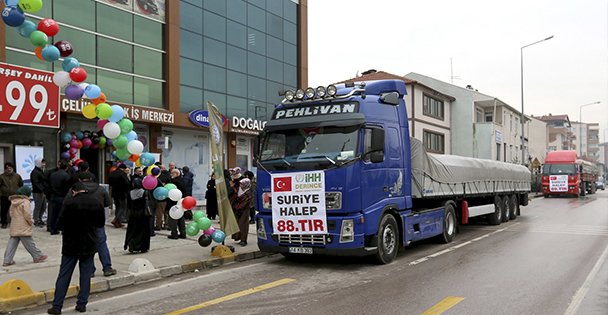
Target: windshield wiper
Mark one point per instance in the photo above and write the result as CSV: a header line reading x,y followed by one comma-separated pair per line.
x,y
319,156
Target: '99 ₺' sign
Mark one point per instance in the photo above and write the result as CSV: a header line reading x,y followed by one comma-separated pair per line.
x,y
28,97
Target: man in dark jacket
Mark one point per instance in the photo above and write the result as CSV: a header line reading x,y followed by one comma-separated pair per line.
x,y
188,178
120,186
79,220
60,184
179,224
38,190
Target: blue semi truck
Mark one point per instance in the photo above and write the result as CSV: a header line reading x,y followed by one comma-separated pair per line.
x,y
338,174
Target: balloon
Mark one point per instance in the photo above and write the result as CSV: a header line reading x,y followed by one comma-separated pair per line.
x,y
73,92
160,193
48,27
12,3
61,78
203,223
102,140
103,110
79,135
149,169
73,150
79,143
89,111
65,48
156,171
218,236
209,231
204,240
92,91
135,146
73,143
121,143
30,5
170,186
146,159
70,63
133,157
132,135
13,16
86,142
38,38
149,183
100,99
176,212
190,203
65,155
123,154
101,123
27,28
117,113
38,53
126,125
197,215
78,74
192,229
111,130
174,194
66,136
50,53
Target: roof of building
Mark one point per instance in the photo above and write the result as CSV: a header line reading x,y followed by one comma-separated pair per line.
x,y
553,117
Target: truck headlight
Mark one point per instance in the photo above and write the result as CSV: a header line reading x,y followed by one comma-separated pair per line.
x,y
320,91
299,94
332,90
347,234
310,93
261,229
289,95
333,200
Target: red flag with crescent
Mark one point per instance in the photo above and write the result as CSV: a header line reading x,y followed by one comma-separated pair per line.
x,y
282,184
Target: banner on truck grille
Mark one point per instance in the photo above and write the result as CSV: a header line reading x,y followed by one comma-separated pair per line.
x,y
558,183
298,203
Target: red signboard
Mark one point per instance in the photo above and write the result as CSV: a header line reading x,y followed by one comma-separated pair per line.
x,y
28,97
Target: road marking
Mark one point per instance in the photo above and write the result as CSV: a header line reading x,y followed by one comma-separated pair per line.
x,y
232,296
443,306
578,297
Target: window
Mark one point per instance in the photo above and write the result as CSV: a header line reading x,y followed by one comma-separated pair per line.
x,y
191,99
478,115
114,22
148,32
148,92
118,87
114,55
148,63
433,142
432,107
489,116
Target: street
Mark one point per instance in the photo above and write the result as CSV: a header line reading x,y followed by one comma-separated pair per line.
x,y
551,260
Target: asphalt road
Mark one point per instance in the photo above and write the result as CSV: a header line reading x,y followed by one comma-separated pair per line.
x,y
551,260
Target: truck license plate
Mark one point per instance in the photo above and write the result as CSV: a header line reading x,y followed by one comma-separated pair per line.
x,y
300,250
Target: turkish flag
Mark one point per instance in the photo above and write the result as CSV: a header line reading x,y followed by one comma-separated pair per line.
x,y
282,184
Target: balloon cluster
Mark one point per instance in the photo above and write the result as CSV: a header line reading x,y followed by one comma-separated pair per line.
x,y
111,121
71,142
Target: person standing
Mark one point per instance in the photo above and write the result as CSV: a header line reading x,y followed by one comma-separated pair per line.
x,y
240,201
188,178
211,196
138,229
79,220
252,207
179,224
10,181
137,173
120,186
21,228
38,189
60,184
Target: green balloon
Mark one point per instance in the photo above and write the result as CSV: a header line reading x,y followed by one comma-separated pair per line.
x,y
103,111
120,142
197,215
125,125
170,186
39,39
203,223
192,229
122,154
30,5
102,140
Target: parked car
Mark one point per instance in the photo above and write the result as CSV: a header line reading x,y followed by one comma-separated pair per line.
x,y
600,183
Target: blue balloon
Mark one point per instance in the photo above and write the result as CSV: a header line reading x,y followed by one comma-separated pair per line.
x,y
79,135
13,16
114,155
132,135
92,91
117,113
146,159
160,193
69,63
11,2
27,28
66,137
218,236
50,53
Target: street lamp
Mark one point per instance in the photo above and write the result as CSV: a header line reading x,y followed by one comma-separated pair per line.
x,y
522,95
580,124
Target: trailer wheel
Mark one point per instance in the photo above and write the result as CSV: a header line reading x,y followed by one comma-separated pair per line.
x,y
506,206
496,217
449,224
514,209
388,238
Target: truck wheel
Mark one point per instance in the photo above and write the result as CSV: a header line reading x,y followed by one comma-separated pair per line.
x,y
388,239
506,202
496,217
449,224
514,209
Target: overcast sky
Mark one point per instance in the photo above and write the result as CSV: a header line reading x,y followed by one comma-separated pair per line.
x,y
483,38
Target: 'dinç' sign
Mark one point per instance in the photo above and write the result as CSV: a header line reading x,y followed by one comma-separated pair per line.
x,y
298,203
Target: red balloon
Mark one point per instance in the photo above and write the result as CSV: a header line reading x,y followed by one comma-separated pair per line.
x,y
188,203
48,27
65,48
78,74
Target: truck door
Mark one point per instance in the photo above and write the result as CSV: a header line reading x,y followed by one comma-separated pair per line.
x,y
374,176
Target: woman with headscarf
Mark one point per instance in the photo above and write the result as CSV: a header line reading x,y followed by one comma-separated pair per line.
x,y
211,197
240,199
138,229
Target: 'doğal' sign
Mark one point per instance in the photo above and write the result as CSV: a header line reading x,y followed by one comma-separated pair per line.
x,y
200,117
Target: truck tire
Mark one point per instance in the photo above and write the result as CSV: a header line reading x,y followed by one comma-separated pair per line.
x,y
506,208
388,240
514,209
496,217
449,223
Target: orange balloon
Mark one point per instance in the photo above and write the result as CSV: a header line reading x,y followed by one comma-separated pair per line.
x,y
112,169
100,99
38,52
134,157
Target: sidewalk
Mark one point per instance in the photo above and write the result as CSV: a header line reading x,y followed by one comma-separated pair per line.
x,y
166,257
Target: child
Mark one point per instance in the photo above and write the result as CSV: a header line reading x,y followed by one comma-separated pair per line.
x,y
21,228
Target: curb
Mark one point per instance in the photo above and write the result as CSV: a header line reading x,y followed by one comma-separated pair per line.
x,y
17,295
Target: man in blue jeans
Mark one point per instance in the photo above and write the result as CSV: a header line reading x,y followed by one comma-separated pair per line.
x,y
82,215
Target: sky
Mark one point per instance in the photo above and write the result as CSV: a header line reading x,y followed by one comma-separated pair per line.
x,y
478,42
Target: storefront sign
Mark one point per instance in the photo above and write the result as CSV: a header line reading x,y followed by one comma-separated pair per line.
x,y
134,113
28,97
200,117
247,125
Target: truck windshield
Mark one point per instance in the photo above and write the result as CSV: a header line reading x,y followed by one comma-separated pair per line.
x,y
555,169
309,148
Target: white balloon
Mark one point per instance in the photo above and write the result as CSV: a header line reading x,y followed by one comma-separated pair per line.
x,y
111,130
176,212
135,147
175,194
61,78
83,85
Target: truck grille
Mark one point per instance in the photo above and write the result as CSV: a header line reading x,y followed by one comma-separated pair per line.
x,y
302,239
